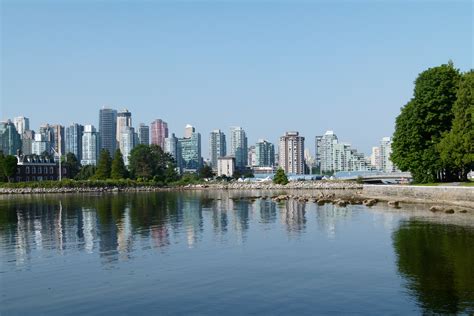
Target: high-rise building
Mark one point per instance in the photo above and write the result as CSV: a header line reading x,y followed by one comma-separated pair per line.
x,y
59,144
264,154
292,153
317,154
90,146
159,131
251,156
124,119
217,147
386,163
27,142
324,151
74,140
188,131
127,142
189,152
144,134
238,147
108,130
47,132
375,158
171,146
21,124
225,166
9,137
40,145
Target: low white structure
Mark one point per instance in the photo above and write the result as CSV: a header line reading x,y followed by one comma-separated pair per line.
x,y
225,166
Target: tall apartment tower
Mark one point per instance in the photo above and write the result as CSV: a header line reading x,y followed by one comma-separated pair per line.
x,y
22,124
10,140
159,131
189,151
171,146
144,134
127,142
264,154
239,147
90,146
27,140
74,140
292,153
108,130
385,163
324,151
217,147
124,119
59,139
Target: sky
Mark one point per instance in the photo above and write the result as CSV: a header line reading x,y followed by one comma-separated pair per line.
x,y
268,66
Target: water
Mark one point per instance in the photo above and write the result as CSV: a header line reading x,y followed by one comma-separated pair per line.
x,y
217,253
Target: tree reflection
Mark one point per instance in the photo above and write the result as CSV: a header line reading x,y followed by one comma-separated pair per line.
x,y
437,262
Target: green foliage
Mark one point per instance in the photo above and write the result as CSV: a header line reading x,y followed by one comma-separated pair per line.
x,y
422,122
8,165
104,166
72,165
118,170
151,162
206,172
86,172
188,178
237,174
457,146
280,177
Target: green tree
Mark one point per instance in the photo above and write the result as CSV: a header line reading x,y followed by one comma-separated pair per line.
x,y
280,177
104,166
206,172
422,122
87,172
237,174
118,170
8,165
457,146
72,165
141,162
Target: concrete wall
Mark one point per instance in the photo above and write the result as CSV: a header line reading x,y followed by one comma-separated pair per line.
x,y
462,196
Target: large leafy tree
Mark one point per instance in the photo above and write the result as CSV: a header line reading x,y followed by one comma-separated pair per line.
x,y
119,171
422,122
8,165
87,172
141,162
457,147
72,165
104,166
280,177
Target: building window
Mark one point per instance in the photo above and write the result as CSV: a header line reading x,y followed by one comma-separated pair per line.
x,y
51,171
27,170
33,170
45,169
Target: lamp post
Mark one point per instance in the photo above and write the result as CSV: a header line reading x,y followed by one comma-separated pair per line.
x,y
60,168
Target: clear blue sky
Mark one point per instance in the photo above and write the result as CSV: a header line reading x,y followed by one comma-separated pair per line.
x,y
266,66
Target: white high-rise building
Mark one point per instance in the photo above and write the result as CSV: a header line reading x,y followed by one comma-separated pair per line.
x,y
375,158
292,153
188,131
238,147
324,151
127,142
171,146
124,119
217,147
385,163
22,124
40,145
90,146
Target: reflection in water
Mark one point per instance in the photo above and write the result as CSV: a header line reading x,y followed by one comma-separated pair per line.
x,y
292,215
437,263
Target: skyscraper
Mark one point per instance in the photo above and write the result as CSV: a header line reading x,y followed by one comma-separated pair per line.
x,y
238,147
189,151
127,142
324,151
124,119
40,145
10,140
264,154
47,132
375,158
90,146
292,153
107,130
144,134
386,163
159,131
74,140
21,124
171,146
27,142
217,147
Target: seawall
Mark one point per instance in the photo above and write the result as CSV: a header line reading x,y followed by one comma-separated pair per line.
x,y
453,195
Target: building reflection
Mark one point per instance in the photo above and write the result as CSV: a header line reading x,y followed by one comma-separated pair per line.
x,y
292,215
436,262
329,215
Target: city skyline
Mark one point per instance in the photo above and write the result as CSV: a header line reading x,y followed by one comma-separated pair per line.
x,y
327,61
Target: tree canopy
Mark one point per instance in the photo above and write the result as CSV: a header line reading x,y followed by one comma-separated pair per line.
x,y
422,123
118,169
104,166
151,162
72,165
8,166
280,177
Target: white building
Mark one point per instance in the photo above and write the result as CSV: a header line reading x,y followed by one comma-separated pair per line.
x,y
225,166
238,147
127,142
171,146
385,163
90,146
40,145
375,158
217,147
124,119
22,124
292,153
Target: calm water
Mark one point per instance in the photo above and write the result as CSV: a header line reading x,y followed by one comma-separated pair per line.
x,y
211,253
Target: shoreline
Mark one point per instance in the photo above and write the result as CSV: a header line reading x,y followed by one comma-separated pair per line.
x,y
462,197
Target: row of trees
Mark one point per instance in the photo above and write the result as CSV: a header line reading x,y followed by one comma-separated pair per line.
x,y
434,133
